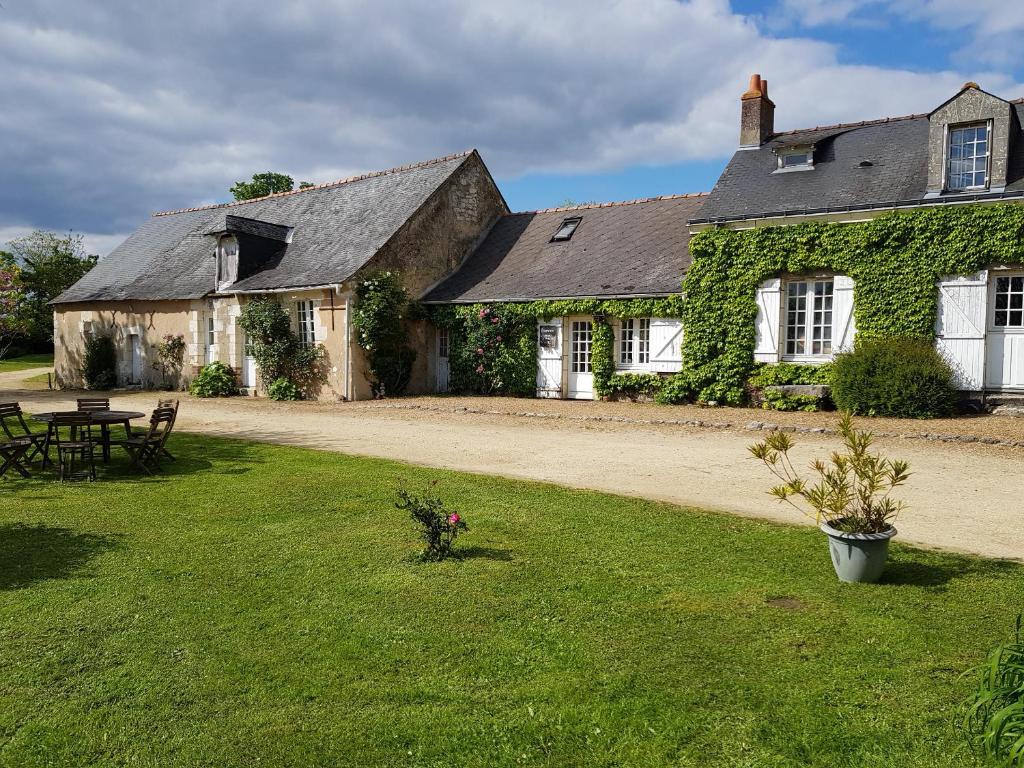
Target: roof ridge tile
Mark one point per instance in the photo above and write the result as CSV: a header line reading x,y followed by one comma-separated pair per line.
x,y
325,185
586,206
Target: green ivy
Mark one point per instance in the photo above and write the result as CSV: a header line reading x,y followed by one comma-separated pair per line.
x,y
480,364
895,261
382,307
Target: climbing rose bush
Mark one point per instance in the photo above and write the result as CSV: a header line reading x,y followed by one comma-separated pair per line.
x,y
438,526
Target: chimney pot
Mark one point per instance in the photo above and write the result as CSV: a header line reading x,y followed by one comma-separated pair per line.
x,y
757,113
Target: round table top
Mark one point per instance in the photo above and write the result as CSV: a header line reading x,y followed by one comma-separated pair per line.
x,y
98,417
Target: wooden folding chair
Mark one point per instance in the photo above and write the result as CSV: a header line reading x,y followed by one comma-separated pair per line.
x,y
93,404
168,404
12,422
146,449
78,445
13,454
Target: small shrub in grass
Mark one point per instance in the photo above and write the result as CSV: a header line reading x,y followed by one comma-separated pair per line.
x,y
100,362
993,717
282,389
906,378
214,380
438,525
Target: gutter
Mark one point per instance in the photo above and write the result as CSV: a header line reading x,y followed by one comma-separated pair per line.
x,y
989,197
525,300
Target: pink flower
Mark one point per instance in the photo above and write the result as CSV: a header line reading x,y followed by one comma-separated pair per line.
x,y
479,350
494,320
479,369
483,313
454,518
498,337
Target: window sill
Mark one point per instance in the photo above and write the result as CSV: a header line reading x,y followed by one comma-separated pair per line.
x,y
808,359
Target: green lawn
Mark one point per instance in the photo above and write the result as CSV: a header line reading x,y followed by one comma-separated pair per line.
x,y
25,362
262,605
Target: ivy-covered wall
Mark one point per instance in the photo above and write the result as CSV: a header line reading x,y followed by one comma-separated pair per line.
x,y
492,348
895,261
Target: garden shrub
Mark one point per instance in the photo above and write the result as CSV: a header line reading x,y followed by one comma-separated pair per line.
x,y
100,362
214,380
635,384
382,307
438,526
783,374
676,389
277,350
906,378
283,389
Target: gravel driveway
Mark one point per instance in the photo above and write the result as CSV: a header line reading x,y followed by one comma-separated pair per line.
x,y
964,497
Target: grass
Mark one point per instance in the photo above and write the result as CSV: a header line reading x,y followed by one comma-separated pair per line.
x,y
24,362
262,604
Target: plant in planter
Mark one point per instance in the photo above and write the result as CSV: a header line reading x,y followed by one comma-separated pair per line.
x,y
850,499
438,525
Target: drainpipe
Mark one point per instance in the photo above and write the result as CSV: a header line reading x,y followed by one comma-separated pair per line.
x,y
349,395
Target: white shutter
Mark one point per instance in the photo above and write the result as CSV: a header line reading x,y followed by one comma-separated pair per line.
x,y
666,344
960,327
319,335
769,307
843,328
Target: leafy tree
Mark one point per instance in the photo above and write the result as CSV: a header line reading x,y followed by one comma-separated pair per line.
x,y
263,184
50,264
15,317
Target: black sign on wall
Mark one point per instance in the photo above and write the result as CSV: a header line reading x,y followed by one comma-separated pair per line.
x,y
547,336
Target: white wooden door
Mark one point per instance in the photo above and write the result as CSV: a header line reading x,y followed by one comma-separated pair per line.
x,y
442,360
960,327
581,372
1005,342
135,350
248,365
549,358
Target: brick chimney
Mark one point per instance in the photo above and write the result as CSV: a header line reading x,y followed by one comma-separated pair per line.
x,y
757,118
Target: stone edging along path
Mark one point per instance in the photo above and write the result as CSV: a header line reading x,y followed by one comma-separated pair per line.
x,y
753,426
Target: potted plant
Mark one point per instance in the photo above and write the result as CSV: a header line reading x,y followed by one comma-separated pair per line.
x,y
850,498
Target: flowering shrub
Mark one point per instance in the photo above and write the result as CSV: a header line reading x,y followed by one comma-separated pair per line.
x,y
438,526
171,355
277,350
382,307
489,358
283,389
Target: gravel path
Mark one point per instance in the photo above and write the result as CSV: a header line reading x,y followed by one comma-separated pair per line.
x,y
962,496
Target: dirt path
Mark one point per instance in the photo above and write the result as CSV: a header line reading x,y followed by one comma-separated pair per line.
x,y
964,497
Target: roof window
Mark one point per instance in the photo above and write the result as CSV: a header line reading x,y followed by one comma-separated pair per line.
x,y
566,229
796,159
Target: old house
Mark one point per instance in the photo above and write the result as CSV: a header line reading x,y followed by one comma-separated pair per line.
x,y
189,272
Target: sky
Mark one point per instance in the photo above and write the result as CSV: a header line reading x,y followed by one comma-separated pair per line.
x,y
111,111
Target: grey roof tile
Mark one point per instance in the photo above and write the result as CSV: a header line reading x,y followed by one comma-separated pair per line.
x,y
338,227
639,247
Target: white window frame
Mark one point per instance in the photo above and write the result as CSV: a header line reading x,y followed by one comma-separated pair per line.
x,y
305,322
948,156
818,307
994,298
807,163
581,342
211,331
634,344
442,342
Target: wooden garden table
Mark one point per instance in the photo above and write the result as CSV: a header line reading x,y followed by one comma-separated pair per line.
x,y
103,419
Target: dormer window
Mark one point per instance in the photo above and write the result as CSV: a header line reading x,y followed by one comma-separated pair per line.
x,y
968,160
801,159
566,229
227,261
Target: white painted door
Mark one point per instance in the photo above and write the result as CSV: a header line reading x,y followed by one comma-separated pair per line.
x,y
1005,341
960,327
442,360
549,358
581,373
248,365
135,350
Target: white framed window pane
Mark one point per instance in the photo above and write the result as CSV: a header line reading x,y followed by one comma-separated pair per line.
x,y
581,339
967,161
644,341
442,342
626,343
796,318
1008,311
304,311
821,326
211,334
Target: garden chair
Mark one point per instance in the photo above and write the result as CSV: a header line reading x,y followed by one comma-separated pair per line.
x,y
169,404
72,437
86,404
146,449
12,422
13,454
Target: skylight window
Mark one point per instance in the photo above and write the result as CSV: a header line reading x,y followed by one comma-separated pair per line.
x,y
796,160
566,229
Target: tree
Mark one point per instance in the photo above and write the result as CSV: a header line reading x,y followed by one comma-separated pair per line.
x,y
15,315
263,184
50,264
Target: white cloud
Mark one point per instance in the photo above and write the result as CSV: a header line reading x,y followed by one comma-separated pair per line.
x,y
114,110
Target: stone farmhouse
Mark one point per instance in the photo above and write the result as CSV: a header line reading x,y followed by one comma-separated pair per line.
x,y
444,226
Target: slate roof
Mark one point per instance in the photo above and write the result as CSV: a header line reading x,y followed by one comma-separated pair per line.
x,y
897,149
338,227
619,249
